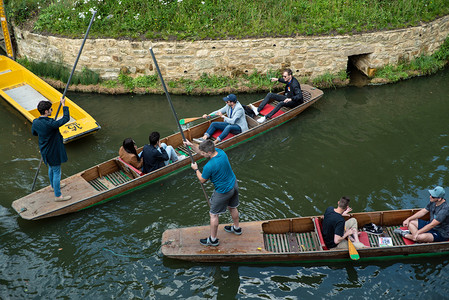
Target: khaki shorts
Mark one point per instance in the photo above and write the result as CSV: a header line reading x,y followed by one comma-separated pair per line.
x,y
351,223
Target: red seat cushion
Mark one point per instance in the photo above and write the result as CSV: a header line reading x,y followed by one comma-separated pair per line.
x,y
320,235
406,240
218,132
363,238
131,167
268,108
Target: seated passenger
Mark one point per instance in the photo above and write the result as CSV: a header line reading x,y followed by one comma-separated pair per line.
x,y
434,230
128,153
234,122
292,96
336,230
156,154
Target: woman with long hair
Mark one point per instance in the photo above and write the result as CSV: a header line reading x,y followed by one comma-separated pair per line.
x,y
128,153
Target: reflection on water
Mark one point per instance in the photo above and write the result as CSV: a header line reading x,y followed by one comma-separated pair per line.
x,y
381,146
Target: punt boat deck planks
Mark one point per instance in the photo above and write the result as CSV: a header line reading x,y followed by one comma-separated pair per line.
x,y
114,177
24,90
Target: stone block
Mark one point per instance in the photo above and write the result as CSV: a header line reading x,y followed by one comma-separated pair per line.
x,y
266,53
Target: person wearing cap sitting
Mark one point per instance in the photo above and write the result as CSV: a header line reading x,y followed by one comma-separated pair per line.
x,y
292,96
434,230
234,121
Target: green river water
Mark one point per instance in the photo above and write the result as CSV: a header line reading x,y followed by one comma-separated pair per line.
x,y
382,146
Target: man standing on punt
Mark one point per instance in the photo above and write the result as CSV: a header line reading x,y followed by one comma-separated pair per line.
x,y
51,144
226,193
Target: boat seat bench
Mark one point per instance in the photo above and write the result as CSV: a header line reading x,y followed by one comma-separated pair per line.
x,y
129,168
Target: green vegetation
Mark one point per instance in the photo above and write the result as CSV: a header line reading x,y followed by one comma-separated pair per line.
x,y
423,65
216,19
59,72
328,80
204,84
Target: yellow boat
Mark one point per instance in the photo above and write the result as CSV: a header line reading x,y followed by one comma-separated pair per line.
x,y
23,90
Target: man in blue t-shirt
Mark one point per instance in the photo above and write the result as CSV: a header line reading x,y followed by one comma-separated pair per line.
x,y
226,193
434,230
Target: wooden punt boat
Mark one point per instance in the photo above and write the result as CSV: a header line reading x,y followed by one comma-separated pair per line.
x,y
293,240
114,177
23,90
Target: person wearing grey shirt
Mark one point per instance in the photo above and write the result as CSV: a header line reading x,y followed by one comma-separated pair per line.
x,y
434,230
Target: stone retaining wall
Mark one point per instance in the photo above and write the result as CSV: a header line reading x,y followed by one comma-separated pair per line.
x,y
306,56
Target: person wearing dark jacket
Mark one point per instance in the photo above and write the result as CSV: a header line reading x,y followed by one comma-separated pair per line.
x,y
292,95
51,143
157,155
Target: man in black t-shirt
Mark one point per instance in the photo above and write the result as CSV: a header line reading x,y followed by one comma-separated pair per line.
x,y
336,230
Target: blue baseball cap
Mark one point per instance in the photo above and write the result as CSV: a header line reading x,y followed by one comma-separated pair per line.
x,y
437,192
230,97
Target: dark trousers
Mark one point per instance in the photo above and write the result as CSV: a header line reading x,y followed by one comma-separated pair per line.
x,y
280,99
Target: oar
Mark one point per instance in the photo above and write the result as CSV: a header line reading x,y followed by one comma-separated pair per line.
x,y
353,254
66,87
176,117
188,120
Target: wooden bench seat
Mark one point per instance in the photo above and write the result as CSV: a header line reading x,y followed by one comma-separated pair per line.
x,y
131,169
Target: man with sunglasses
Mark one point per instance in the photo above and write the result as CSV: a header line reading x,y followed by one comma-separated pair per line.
x,y
292,95
434,230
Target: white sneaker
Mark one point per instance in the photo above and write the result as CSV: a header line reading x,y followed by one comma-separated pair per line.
x,y
261,120
63,198
181,157
198,140
254,109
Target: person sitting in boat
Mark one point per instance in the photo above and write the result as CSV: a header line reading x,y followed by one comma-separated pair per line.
x,y
128,153
234,121
336,230
226,193
156,154
292,96
434,230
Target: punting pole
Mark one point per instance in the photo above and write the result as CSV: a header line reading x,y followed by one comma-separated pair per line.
x,y
6,36
175,116
67,86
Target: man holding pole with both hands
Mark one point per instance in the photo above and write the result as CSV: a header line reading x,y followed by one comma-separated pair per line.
x,y
226,193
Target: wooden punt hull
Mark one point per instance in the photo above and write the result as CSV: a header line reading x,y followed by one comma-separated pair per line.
x,y
23,90
290,240
113,178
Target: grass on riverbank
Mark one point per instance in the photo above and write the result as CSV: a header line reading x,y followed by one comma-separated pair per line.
x,y
59,72
206,84
423,65
218,19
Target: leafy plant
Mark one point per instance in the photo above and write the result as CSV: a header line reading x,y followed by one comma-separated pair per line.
x,y
196,20
325,80
60,72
